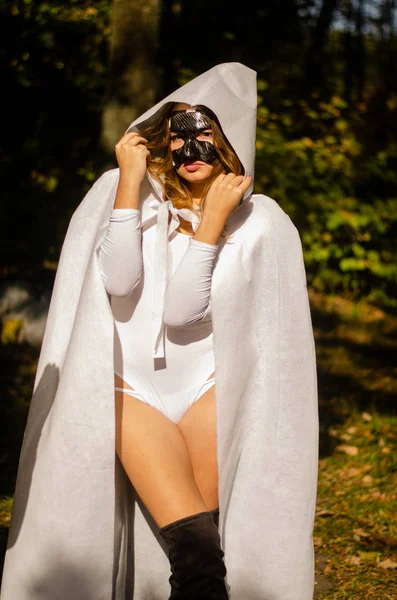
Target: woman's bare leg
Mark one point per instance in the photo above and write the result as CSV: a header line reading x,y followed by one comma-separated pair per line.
x,y
198,427
155,457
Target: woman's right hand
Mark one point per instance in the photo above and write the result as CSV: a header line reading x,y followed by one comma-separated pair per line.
x,y
225,194
131,154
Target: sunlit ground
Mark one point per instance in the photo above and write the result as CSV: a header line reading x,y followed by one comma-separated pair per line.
x,y
356,528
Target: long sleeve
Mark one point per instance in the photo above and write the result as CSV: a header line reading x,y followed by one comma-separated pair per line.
x,y
120,255
188,293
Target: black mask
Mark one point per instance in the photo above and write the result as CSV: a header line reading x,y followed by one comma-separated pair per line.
x,y
187,124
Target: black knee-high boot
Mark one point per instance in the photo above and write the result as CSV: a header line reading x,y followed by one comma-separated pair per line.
x,y
215,516
196,558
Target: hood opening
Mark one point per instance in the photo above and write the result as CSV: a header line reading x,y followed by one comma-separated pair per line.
x,y
229,91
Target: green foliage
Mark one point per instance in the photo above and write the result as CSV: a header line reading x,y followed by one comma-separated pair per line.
x,y
64,37
342,198
53,58
331,164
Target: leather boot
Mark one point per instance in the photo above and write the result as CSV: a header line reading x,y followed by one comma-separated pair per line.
x,y
196,558
215,516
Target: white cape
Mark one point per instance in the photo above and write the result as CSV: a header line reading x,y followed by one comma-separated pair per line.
x,y
77,531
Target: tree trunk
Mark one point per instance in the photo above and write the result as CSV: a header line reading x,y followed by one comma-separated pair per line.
x,y
348,53
133,66
314,70
360,50
171,44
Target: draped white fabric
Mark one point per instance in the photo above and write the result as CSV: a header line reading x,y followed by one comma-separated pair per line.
x,y
77,530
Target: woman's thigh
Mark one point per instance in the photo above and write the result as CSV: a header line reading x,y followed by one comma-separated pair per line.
x,y
155,457
198,427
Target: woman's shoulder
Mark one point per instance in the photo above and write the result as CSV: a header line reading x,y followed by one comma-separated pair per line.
x,y
100,189
108,177
262,214
263,224
269,207
104,182
93,210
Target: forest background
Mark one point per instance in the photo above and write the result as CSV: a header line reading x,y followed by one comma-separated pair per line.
x,y
76,74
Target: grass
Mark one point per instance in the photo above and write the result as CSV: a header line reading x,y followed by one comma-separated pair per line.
x,y
356,527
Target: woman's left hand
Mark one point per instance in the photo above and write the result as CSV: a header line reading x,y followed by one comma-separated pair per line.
x,y
225,194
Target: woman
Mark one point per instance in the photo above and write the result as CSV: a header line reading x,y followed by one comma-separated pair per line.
x,y
166,433
229,291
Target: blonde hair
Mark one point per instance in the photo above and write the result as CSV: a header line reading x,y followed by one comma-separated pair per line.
x,y
156,130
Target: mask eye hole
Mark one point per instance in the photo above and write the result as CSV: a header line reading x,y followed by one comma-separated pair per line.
x,y
205,136
176,141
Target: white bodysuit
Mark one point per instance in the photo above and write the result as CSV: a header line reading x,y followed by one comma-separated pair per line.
x,y
127,259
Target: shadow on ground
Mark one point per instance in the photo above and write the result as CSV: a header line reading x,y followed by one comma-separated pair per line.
x,y
16,384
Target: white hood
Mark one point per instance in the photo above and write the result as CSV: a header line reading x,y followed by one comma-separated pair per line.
x,y
228,89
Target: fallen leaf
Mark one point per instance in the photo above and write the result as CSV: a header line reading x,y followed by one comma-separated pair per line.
x,y
367,479
360,532
380,496
318,541
353,472
388,563
353,560
351,450
325,513
366,417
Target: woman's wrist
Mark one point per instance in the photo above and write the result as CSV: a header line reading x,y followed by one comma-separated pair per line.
x,y
210,228
129,179
128,192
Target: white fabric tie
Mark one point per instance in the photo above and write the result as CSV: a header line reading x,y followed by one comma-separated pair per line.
x,y
161,265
